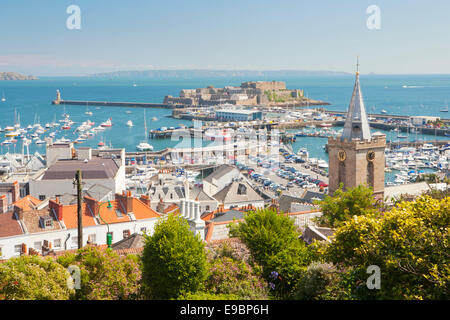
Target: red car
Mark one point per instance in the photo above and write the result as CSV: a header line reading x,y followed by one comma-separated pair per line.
x,y
323,184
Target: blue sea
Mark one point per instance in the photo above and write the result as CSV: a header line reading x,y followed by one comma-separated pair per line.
x,y
397,94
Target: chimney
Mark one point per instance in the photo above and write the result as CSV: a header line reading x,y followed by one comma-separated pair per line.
x,y
15,192
19,212
24,249
92,204
3,204
160,206
145,199
56,207
125,201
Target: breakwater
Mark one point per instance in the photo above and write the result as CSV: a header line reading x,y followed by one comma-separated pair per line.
x,y
116,104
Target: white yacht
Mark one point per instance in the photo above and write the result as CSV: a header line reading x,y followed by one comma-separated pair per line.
x,y
129,123
144,146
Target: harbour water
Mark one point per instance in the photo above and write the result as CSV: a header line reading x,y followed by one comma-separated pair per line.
x,y
31,100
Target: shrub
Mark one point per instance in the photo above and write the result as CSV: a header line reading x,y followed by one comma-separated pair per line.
x,y
104,274
275,245
34,278
228,276
343,205
410,244
174,260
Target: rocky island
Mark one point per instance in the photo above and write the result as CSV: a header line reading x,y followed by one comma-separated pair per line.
x,y
15,76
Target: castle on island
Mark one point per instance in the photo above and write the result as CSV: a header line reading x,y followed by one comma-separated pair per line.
x,y
247,94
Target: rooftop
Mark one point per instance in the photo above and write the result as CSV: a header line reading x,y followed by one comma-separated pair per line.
x,y
96,168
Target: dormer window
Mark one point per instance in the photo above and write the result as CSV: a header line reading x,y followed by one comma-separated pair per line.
x,y
46,222
242,189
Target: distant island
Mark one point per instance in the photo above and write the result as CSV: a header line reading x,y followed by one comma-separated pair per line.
x,y
15,76
214,74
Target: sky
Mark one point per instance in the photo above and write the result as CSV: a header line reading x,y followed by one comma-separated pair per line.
x,y
413,38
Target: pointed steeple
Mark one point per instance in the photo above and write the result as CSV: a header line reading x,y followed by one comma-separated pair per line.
x,y
356,124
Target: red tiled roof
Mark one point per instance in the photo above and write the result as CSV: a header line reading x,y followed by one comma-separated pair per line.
x,y
70,216
27,203
9,226
142,211
173,207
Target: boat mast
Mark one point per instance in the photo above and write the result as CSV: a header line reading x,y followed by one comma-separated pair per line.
x,y
145,126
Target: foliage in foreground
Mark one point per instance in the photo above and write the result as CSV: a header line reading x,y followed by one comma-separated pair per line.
x,y
275,245
174,260
104,274
33,278
229,276
410,244
343,205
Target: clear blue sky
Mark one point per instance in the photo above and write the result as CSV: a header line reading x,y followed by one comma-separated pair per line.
x,y
216,34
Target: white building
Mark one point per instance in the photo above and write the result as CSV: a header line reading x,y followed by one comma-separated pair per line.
x,y
99,167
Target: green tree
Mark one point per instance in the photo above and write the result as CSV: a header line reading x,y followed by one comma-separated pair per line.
x,y
343,205
410,244
104,274
174,260
34,278
274,244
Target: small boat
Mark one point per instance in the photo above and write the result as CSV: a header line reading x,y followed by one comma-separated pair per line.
x,y
383,111
155,119
128,112
39,141
12,134
66,127
144,146
107,123
129,123
9,128
89,113
101,144
3,97
401,136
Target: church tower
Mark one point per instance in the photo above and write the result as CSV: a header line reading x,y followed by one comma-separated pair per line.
x,y
357,156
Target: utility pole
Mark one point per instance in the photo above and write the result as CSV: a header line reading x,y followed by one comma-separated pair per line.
x,y
79,208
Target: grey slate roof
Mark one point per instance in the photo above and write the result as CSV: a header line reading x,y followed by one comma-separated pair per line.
x,y
356,124
219,172
228,216
96,168
229,194
133,241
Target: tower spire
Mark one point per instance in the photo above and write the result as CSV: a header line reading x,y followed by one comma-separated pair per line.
x,y
356,124
357,65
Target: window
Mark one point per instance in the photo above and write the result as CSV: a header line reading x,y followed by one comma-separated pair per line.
x,y
57,243
1,252
126,233
144,230
207,208
38,245
92,238
41,197
17,248
242,189
75,242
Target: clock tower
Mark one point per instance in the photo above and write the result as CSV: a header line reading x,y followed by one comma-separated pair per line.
x,y
357,156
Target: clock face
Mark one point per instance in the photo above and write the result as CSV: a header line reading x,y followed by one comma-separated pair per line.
x,y
370,155
342,155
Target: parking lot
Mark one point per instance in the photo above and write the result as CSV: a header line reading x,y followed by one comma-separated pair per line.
x,y
285,174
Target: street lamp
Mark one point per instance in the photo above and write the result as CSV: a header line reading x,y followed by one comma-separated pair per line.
x,y
108,235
